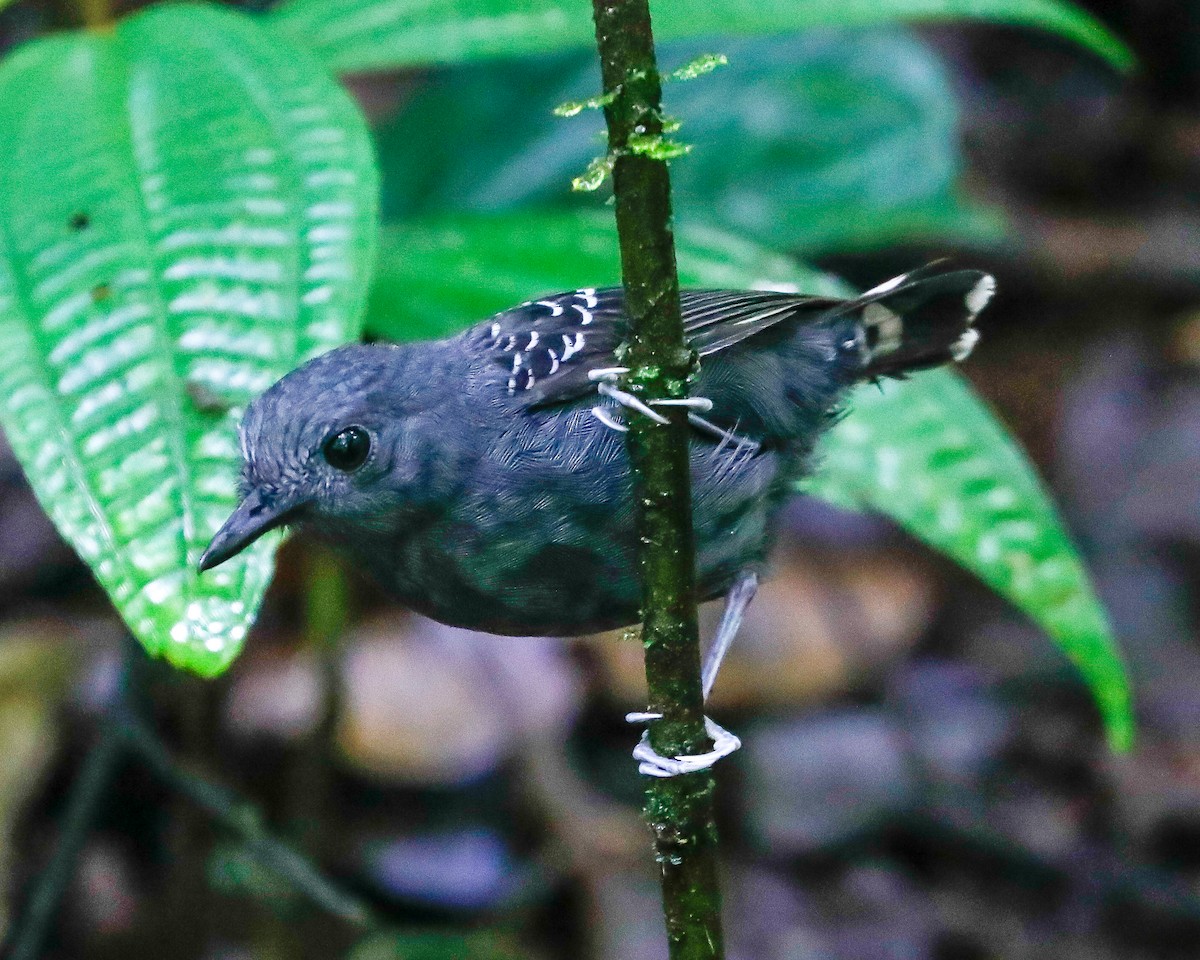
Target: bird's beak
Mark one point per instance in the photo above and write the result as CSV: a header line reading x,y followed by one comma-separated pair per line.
x,y
254,516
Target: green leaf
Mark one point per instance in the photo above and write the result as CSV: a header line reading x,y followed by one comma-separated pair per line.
x,y
356,35
436,277
930,454
831,140
187,212
927,452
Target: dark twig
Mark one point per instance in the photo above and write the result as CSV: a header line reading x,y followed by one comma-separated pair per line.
x,y
680,809
126,736
187,904
87,795
244,822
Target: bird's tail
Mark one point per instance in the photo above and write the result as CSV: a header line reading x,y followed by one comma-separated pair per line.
x,y
917,320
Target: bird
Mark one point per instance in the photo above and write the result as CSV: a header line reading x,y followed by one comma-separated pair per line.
x,y
483,478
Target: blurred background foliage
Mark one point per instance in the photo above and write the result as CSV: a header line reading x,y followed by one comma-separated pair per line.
x,y
922,777
818,142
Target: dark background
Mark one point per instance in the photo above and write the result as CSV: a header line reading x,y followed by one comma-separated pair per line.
x,y
922,777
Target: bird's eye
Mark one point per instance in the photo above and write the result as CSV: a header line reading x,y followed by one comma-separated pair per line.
x,y
348,449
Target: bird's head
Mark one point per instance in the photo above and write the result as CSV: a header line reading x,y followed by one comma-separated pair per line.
x,y
324,446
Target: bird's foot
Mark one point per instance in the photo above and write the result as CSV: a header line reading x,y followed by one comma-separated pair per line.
x,y
629,401
605,418
692,403
653,764
606,385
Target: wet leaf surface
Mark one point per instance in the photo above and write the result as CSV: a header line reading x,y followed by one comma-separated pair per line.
x,y
187,213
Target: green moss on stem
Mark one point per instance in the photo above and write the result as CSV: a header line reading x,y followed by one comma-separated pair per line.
x,y
679,810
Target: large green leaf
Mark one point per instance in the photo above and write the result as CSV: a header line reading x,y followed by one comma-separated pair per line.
x,y
187,211
435,277
926,452
831,139
930,454
354,35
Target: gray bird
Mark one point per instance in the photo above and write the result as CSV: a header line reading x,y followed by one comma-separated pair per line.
x,y
483,479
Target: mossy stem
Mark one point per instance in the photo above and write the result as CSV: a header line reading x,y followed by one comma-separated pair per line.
x,y
679,809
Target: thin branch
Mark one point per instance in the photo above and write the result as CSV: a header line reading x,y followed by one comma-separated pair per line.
x,y
245,823
87,795
125,736
680,809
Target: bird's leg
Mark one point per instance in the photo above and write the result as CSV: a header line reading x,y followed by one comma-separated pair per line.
x,y
736,602
653,764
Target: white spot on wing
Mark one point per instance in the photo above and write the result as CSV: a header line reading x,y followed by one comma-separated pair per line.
x,y
962,347
981,293
889,325
571,347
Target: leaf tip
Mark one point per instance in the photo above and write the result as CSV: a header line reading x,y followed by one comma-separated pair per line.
x,y
1120,727
1120,736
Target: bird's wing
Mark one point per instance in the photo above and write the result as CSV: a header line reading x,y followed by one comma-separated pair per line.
x,y
546,348
549,348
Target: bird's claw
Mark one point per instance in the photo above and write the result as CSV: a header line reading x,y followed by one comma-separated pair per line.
x,y
603,416
606,385
607,373
625,399
653,764
692,403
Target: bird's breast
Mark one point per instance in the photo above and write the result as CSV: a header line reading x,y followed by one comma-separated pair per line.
x,y
541,538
